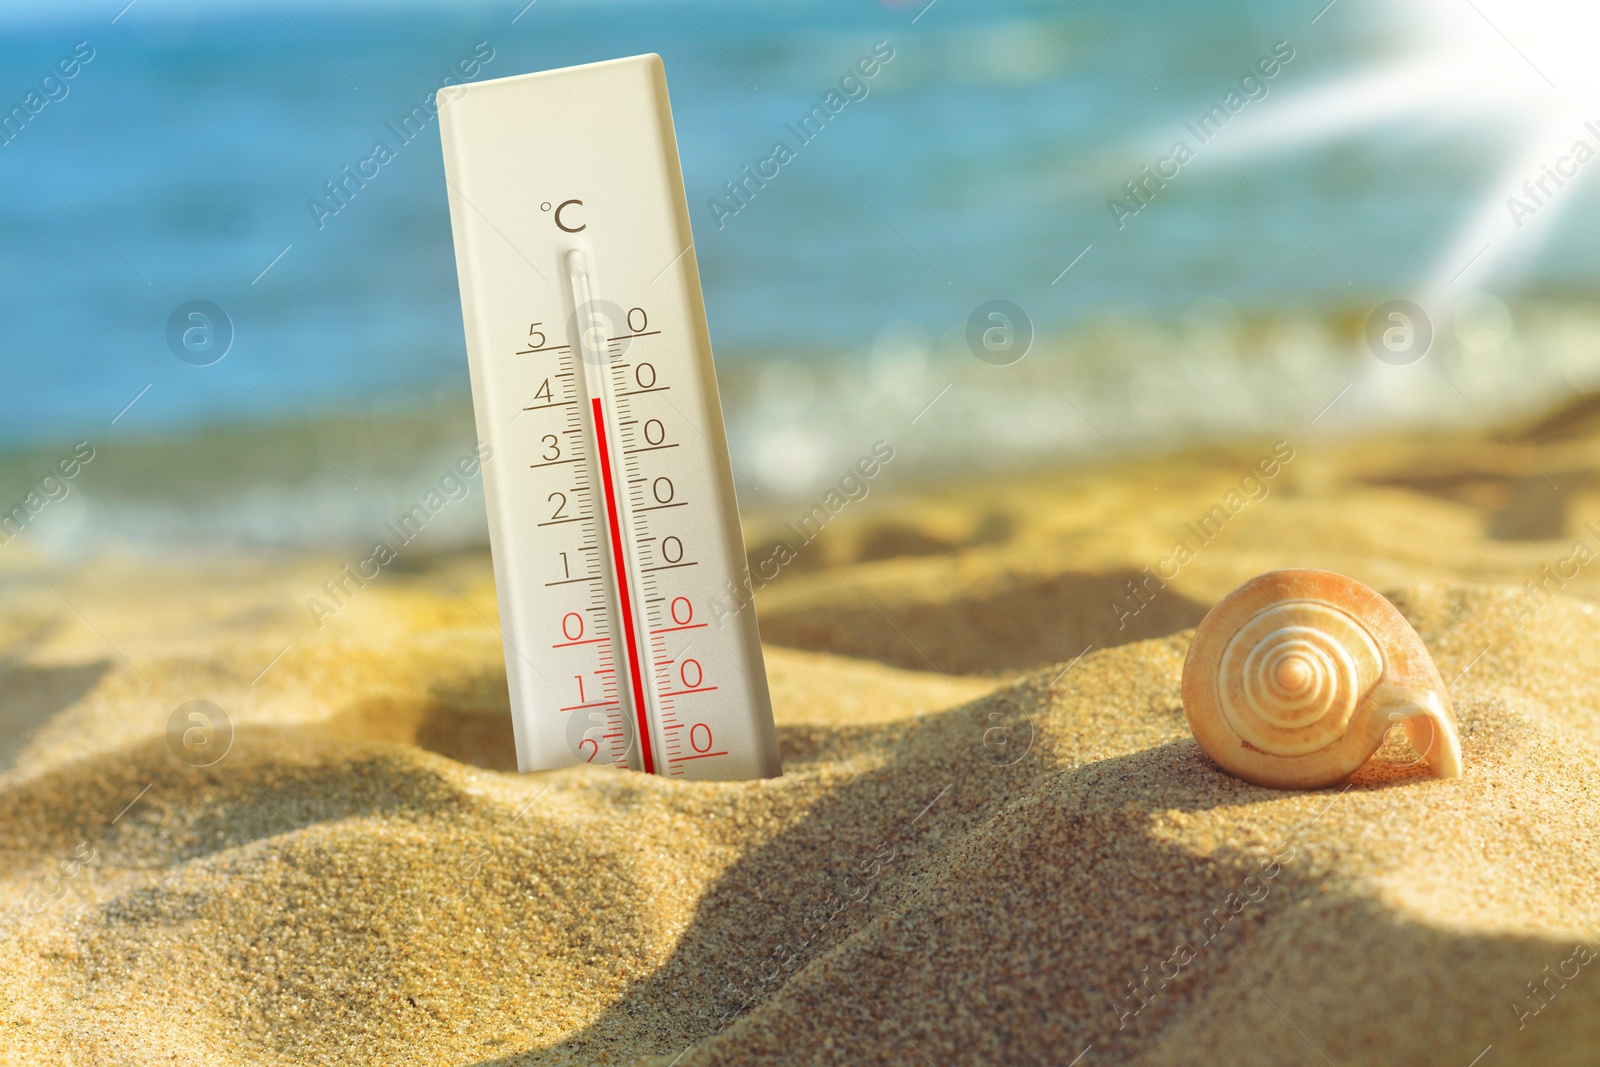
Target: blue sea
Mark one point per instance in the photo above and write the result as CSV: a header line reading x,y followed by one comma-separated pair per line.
x,y
183,161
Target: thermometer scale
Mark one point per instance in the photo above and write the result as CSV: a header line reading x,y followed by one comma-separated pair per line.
x,y
612,519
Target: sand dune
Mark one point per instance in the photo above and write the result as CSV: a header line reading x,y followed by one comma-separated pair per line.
x,y
995,841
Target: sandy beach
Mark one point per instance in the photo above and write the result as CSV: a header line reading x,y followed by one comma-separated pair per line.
x,y
994,842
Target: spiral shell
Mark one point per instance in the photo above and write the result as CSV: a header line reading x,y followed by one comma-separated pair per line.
x,y
1295,677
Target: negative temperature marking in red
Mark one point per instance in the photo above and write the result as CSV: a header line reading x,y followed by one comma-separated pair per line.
x,y
622,589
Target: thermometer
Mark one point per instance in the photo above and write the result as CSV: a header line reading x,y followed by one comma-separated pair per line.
x,y
612,519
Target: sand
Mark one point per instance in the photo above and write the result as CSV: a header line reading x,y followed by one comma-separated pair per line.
x,y
995,841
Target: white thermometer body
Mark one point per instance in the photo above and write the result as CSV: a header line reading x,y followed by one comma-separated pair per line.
x,y
612,518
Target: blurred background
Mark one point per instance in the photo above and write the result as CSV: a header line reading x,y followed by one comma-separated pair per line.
x,y
1418,151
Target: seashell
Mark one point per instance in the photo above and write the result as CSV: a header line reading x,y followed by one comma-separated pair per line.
x,y
1293,680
